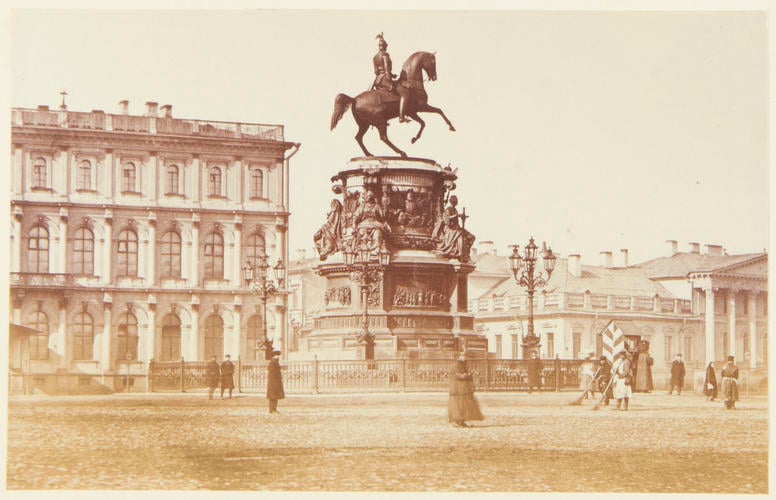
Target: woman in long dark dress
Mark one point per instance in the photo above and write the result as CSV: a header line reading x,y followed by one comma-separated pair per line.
x,y
710,382
730,383
462,405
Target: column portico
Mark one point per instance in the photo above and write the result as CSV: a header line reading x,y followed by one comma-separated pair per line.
x,y
751,308
709,325
731,303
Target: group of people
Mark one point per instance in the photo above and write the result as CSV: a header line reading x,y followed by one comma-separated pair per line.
x,y
223,375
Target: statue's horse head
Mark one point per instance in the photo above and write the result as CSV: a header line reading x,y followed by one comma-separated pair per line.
x,y
417,63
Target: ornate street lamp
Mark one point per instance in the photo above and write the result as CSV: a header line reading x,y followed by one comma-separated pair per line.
x,y
366,273
522,268
258,282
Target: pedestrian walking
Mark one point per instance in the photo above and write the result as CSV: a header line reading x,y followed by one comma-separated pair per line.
x,y
710,382
274,382
462,405
534,367
213,374
642,369
227,379
622,371
677,375
730,383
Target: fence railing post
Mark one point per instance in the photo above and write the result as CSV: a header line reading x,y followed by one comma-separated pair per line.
x,y
150,376
315,375
487,372
239,375
403,374
557,373
183,367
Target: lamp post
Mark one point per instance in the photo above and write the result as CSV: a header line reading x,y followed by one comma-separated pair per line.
x,y
366,273
523,270
258,282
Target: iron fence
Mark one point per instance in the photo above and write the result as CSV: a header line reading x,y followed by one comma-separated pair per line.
x,y
326,376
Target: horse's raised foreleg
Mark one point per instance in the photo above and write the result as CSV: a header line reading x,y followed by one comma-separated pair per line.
x,y
383,130
415,117
362,128
431,109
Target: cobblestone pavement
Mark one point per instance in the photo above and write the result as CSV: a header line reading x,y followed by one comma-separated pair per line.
x,y
386,442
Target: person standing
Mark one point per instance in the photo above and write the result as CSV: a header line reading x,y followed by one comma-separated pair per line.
x,y
622,372
274,382
710,382
213,374
462,405
642,369
534,368
677,375
602,378
227,379
730,383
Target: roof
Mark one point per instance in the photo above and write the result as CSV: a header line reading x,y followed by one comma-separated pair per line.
x,y
682,263
492,264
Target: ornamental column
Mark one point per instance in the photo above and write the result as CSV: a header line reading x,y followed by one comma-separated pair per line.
x,y
235,344
194,271
62,249
150,340
731,300
193,343
237,260
107,256
105,347
151,255
280,303
709,324
16,244
751,308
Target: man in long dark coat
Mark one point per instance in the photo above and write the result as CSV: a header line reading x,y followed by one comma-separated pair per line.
x,y
227,378
534,368
642,369
677,375
213,374
274,382
602,378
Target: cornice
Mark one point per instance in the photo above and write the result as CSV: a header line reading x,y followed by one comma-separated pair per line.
x,y
155,208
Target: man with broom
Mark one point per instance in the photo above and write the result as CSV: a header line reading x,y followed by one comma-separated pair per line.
x,y
622,374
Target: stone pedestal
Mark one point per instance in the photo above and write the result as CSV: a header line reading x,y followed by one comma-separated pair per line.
x,y
419,307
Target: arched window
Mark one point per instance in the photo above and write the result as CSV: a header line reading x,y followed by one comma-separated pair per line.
x,y
254,248
83,251
214,256
253,334
172,179
38,250
214,337
39,173
126,348
128,178
214,182
171,338
127,253
39,342
257,184
170,262
83,337
84,175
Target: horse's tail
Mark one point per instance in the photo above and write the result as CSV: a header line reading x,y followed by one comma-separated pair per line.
x,y
341,104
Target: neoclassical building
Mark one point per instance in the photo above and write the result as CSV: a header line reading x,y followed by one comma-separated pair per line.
x,y
128,238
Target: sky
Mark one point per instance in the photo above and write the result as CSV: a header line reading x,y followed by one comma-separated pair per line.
x,y
590,130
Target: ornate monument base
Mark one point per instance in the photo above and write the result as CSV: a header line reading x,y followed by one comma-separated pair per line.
x,y
416,304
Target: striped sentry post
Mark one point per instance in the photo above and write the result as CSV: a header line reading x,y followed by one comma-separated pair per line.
x,y
613,341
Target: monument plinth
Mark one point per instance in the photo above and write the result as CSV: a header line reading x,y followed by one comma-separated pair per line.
x,y
401,211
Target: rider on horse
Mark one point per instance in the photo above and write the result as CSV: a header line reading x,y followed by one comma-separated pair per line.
x,y
384,77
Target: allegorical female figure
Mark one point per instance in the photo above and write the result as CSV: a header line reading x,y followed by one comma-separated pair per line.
x,y
452,239
369,222
328,236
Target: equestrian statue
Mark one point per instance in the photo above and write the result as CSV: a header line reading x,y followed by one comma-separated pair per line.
x,y
404,97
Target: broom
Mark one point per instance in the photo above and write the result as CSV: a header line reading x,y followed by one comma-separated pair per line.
x,y
603,395
578,401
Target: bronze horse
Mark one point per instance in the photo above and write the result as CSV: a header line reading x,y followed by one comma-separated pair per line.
x,y
376,107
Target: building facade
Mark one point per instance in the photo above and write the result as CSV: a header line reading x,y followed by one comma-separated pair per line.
x,y
128,238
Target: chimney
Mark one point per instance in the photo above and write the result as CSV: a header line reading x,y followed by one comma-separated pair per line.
x,y
166,110
695,248
606,259
301,254
624,256
486,247
151,108
43,107
713,249
124,107
575,265
673,247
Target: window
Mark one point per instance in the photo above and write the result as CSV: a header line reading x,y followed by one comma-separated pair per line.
x,y
214,182
550,345
214,256
83,252
257,183
172,180
127,253
171,338
128,178
669,348
83,337
38,250
84,180
39,175
253,334
498,346
576,344
689,353
515,346
39,342
214,337
170,262
127,341
254,248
